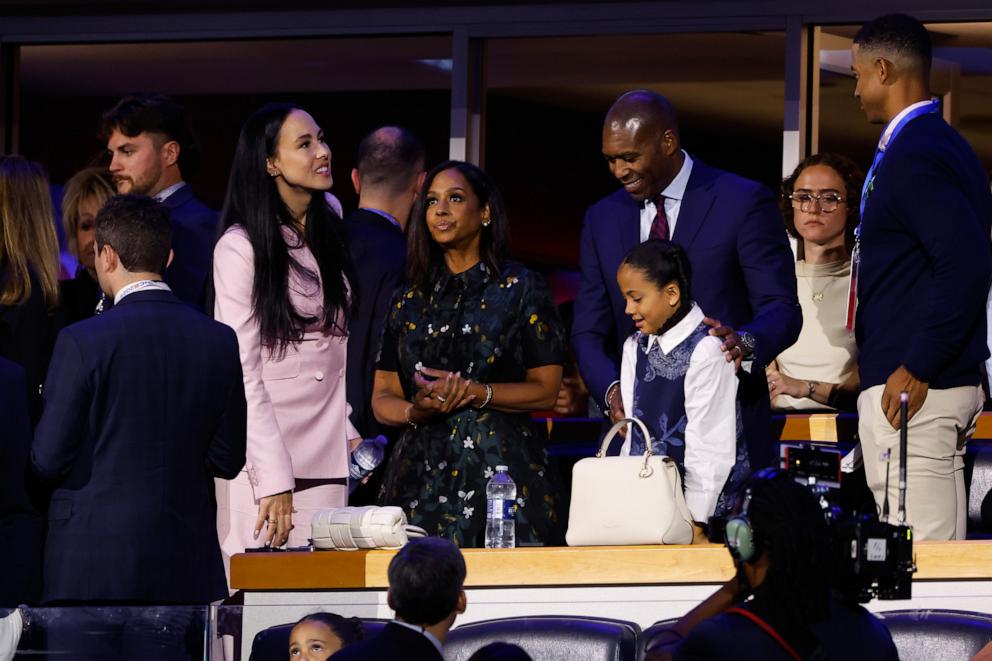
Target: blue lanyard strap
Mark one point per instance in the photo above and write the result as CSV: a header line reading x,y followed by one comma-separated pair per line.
x,y
869,184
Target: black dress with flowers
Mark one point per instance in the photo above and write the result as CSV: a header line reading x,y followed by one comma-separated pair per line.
x,y
492,330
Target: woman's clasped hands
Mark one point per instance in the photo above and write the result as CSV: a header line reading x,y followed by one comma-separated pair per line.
x,y
440,391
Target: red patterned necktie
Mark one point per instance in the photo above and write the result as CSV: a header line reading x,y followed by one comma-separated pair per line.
x,y
659,227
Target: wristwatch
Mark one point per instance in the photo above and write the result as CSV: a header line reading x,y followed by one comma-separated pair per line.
x,y
746,342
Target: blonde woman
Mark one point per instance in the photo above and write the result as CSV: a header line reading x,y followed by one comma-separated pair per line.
x,y
84,195
29,270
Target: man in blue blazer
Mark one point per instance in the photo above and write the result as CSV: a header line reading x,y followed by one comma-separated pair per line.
x,y
925,266
151,147
144,406
743,272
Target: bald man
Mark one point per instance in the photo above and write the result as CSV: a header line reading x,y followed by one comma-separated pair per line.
x,y
743,272
924,269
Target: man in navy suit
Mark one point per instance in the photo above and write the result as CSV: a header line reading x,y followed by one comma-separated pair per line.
x,y
144,406
426,581
152,147
743,272
925,265
387,178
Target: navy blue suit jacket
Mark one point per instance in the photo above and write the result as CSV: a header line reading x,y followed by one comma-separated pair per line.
x,y
743,273
394,642
21,525
378,256
194,233
925,260
144,406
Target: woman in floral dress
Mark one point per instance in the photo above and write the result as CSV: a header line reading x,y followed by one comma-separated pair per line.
x,y
471,347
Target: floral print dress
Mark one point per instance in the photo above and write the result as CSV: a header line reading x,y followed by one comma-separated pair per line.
x,y
492,330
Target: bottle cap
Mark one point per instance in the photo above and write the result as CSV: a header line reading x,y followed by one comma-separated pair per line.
x,y
502,468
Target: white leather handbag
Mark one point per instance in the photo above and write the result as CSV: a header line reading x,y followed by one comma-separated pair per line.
x,y
621,501
353,528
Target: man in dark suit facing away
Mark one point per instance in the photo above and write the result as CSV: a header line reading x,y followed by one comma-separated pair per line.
x,y
426,581
743,273
152,148
144,406
388,175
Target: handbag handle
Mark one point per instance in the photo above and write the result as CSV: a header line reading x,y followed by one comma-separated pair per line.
x,y
615,429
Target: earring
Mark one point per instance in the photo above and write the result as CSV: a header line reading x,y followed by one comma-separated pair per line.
x,y
485,223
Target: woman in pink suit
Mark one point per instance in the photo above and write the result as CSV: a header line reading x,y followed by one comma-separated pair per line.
x,y
279,281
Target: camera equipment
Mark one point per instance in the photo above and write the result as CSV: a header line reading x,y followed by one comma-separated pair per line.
x,y
873,558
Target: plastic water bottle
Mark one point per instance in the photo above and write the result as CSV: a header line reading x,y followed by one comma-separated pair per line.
x,y
501,503
364,459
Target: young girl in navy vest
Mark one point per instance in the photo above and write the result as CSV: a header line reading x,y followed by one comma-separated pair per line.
x,y
675,379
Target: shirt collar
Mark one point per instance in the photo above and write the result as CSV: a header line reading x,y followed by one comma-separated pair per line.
x,y
388,216
427,634
883,142
165,193
676,188
675,335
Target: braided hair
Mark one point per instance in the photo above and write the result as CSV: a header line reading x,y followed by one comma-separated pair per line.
x,y
663,262
792,530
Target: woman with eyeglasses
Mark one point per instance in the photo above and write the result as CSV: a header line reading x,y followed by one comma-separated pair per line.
x,y
820,203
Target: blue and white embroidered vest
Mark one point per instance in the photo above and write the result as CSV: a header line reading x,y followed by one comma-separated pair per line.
x,y
659,402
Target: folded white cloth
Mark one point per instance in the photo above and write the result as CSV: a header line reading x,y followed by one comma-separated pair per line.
x,y
352,528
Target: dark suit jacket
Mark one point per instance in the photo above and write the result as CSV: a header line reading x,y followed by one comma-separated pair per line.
x,y
743,273
27,334
395,642
144,405
79,298
378,256
21,525
194,233
925,260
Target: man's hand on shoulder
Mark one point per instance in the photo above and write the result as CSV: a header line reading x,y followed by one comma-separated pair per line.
x,y
899,381
731,341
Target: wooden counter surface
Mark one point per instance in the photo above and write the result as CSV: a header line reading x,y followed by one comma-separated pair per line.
x,y
562,566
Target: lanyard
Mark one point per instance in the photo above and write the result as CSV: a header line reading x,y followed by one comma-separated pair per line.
x,y
138,286
866,191
869,184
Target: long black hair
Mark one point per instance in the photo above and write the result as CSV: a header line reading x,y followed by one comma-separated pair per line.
x,y
425,258
253,202
663,262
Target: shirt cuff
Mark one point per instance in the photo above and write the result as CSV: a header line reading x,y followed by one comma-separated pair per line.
x,y
701,504
606,396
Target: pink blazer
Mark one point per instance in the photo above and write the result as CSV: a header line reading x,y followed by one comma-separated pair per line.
x,y
297,413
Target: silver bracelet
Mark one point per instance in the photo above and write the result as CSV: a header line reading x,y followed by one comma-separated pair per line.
x,y
489,396
408,420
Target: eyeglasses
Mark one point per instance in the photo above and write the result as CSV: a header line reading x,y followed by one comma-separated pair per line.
x,y
804,201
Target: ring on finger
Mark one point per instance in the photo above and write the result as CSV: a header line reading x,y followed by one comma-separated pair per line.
x,y
440,398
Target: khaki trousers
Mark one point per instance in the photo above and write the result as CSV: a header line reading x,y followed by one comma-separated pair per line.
x,y
936,505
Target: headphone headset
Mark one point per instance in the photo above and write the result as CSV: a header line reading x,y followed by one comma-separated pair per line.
x,y
743,541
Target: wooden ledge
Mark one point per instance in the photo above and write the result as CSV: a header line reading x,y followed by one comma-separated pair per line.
x,y
562,566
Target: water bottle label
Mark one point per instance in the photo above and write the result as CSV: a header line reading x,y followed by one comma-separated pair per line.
x,y
500,509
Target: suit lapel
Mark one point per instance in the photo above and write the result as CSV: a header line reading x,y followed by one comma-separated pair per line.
x,y
695,206
629,226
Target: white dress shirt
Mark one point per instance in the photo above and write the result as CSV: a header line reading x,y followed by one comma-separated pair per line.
x,y
710,409
883,141
673,193
165,193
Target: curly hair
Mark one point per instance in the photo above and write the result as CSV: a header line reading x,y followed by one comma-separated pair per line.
x,y
853,178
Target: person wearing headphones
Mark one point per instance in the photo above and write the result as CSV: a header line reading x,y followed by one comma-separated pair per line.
x,y
780,604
